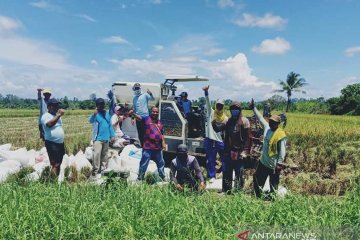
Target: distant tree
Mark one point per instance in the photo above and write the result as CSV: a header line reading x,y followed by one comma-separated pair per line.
x,y
292,84
348,102
227,102
92,97
64,102
277,102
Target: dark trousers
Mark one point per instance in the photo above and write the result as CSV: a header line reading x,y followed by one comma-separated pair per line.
x,y
140,126
260,176
56,152
41,131
212,149
230,167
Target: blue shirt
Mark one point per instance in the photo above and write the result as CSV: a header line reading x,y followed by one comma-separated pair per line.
x,y
56,132
102,128
185,106
140,104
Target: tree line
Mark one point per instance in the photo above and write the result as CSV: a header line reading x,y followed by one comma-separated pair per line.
x,y
347,103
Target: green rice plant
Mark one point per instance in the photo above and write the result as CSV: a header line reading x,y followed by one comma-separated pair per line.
x,y
85,173
20,178
47,175
78,211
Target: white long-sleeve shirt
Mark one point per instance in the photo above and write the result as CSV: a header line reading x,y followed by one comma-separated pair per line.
x,y
210,132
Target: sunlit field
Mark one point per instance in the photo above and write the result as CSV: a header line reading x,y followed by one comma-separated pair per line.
x,y
320,199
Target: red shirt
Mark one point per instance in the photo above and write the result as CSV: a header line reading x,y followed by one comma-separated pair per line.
x,y
153,134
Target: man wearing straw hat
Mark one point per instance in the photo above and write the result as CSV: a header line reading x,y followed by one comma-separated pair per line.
x,y
273,153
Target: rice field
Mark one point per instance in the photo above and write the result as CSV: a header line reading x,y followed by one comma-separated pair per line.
x,y
319,202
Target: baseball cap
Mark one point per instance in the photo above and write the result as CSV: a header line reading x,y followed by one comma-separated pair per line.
x,y
99,101
235,105
117,108
183,94
220,101
275,118
52,101
136,86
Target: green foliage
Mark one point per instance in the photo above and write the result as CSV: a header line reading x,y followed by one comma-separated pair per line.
x,y
47,175
314,106
348,102
292,84
20,178
11,101
79,211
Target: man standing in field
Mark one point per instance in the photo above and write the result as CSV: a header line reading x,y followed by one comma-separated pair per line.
x,y
185,171
42,107
273,152
54,134
140,106
215,120
103,133
153,145
237,146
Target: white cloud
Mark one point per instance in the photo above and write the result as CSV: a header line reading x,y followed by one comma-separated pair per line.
x,y
40,4
115,40
352,51
230,78
31,52
8,24
45,6
346,81
158,47
214,51
85,17
267,21
226,3
196,45
273,46
94,62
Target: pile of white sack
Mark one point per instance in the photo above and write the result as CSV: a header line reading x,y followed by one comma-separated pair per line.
x,y
128,160
12,161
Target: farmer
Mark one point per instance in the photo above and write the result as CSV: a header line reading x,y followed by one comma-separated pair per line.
x,y
215,120
273,153
103,133
140,106
54,134
43,107
184,104
237,140
185,171
153,144
116,121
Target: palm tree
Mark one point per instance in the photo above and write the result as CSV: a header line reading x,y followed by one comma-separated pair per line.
x,y
293,84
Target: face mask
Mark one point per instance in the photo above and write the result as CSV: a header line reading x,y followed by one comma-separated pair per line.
x,y
154,116
137,92
182,156
235,113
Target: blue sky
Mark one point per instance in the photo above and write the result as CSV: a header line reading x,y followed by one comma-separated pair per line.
x,y
243,46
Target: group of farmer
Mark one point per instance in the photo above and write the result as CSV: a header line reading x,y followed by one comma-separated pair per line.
x,y
227,137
